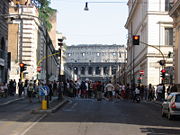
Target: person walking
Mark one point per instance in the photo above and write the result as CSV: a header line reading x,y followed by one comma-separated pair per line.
x,y
151,93
159,91
99,91
60,90
20,87
50,91
30,92
55,88
109,88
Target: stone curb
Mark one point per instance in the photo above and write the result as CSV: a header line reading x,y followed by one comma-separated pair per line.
x,y
51,110
12,101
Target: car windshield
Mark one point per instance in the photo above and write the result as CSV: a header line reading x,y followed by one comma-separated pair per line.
x,y
178,98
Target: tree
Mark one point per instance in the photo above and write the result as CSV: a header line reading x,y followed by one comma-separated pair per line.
x,y
45,11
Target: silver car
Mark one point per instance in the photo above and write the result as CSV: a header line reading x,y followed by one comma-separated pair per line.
x,y
171,106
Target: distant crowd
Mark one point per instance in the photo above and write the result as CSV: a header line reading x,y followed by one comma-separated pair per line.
x,y
84,89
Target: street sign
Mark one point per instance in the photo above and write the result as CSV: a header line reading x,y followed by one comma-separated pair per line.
x,y
39,69
141,72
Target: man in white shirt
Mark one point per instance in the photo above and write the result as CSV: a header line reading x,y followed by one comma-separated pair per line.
x,y
109,88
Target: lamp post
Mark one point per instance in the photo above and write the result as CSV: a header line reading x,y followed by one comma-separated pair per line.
x,y
101,2
60,43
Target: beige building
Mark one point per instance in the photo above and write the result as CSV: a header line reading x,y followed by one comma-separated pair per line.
x,y
30,43
174,13
150,20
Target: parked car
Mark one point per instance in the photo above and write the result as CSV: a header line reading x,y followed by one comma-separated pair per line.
x,y
171,105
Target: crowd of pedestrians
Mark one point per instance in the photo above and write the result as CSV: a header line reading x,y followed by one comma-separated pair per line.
x,y
84,89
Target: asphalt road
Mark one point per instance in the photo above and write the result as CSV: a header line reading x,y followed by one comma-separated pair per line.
x,y
90,117
15,118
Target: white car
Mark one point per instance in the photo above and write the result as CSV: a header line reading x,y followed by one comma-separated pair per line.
x,y
171,105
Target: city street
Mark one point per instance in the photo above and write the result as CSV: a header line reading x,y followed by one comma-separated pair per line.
x,y
88,117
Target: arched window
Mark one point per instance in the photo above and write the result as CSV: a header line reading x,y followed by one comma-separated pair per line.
x,y
75,70
82,70
105,69
90,70
97,70
114,69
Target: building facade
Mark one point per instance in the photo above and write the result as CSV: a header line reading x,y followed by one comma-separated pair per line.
x,y
94,62
150,20
4,5
29,43
174,13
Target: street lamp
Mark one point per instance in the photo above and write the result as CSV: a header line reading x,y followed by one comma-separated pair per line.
x,y
100,2
60,43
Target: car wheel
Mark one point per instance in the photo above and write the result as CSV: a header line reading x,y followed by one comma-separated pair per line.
x,y
170,117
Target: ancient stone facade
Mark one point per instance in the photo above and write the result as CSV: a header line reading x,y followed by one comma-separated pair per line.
x,y
95,62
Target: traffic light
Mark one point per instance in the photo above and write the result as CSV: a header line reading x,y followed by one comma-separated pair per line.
x,y
163,73
162,62
23,67
60,42
136,39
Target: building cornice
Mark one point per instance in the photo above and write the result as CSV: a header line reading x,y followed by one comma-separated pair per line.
x,y
131,13
173,10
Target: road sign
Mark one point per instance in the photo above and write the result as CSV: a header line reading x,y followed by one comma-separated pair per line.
x,y
141,72
39,69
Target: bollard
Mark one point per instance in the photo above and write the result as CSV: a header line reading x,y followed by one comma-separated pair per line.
x,y
44,105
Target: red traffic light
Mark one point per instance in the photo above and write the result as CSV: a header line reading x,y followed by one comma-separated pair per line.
x,y
163,71
136,39
21,64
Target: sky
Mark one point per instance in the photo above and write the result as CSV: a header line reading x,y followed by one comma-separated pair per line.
x,y
102,24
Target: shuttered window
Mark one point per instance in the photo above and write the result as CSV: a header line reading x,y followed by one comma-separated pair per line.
x,y
168,36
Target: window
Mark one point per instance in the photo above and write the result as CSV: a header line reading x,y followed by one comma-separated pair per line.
x,y
90,70
83,54
75,70
105,70
168,36
167,2
114,53
83,70
114,69
97,71
98,54
177,98
120,55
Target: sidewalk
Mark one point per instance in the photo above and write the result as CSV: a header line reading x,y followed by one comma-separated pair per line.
x,y
54,105
10,99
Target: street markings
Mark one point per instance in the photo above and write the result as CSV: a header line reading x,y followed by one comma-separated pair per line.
x,y
33,124
71,108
